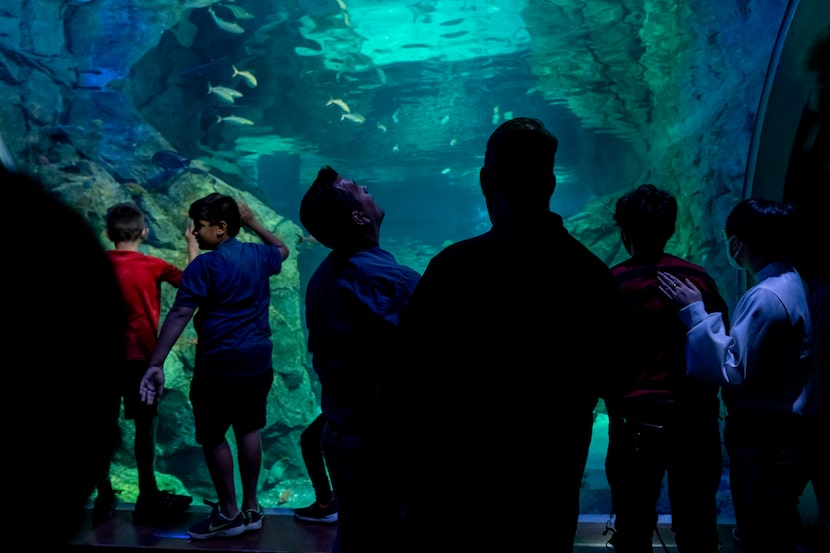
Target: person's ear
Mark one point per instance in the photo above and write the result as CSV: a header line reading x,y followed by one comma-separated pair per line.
x,y
360,217
221,228
144,233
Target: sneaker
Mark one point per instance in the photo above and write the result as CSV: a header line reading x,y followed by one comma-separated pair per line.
x,y
103,509
318,512
217,525
253,518
160,508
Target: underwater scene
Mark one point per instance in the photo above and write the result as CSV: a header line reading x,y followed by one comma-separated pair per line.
x,y
161,102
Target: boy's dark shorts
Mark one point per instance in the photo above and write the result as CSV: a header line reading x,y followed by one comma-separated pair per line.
x,y
222,402
130,385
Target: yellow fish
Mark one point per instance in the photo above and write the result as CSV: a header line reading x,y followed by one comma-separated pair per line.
x,y
338,102
234,120
342,4
230,26
247,76
356,117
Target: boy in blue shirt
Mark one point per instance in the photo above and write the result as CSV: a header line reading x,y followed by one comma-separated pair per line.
x,y
227,293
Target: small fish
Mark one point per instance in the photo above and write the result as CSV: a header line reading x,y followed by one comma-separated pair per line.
x,y
446,171
239,12
356,117
342,5
381,75
382,127
396,149
234,120
395,116
226,94
285,495
453,142
247,76
445,119
230,26
168,159
340,103
452,22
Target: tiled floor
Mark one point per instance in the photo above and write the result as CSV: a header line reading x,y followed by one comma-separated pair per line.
x,y
281,533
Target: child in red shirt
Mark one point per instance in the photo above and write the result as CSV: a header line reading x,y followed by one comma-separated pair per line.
x,y
140,277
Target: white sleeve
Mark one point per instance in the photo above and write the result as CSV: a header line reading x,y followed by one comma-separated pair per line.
x,y
722,358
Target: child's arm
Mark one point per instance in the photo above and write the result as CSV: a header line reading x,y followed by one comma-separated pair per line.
x,y
192,243
152,384
250,221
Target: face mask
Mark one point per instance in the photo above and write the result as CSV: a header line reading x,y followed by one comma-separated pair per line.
x,y
729,256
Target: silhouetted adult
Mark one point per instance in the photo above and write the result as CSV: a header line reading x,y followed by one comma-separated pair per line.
x,y
661,421
808,185
66,322
505,347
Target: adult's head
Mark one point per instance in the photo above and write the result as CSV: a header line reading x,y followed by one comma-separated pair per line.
x,y
759,231
517,176
125,223
646,217
339,213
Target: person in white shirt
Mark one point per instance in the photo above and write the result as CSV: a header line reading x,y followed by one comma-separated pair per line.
x,y
764,366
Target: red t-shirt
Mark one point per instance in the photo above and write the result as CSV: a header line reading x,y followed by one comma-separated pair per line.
x,y
140,277
657,333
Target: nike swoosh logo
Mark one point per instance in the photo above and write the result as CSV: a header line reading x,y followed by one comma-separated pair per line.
x,y
213,528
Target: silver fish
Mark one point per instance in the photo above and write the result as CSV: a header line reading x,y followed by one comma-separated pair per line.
x,y
247,76
239,12
356,117
339,103
230,26
224,93
234,120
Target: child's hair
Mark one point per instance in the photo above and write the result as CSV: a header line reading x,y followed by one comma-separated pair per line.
x,y
125,222
647,215
217,207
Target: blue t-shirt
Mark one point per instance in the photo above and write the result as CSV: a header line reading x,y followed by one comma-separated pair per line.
x,y
229,288
353,304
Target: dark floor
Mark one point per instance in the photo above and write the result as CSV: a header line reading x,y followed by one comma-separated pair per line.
x,y
281,533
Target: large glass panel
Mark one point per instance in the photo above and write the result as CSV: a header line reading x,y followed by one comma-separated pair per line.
x,y
162,101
